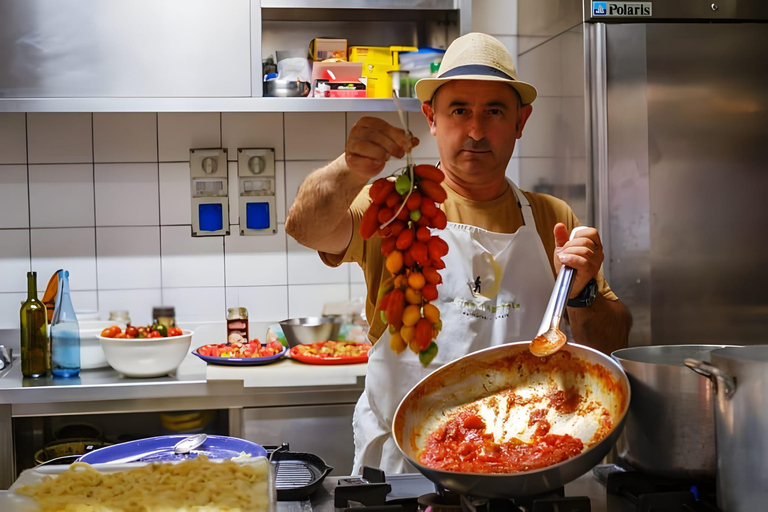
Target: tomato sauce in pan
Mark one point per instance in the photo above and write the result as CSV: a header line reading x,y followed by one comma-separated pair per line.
x,y
462,445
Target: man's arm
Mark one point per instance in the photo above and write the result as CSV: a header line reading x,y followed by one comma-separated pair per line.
x,y
319,217
604,325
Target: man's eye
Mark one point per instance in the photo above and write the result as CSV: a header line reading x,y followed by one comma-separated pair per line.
x,y
496,111
459,111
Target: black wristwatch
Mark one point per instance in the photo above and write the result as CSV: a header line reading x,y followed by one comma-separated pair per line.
x,y
587,296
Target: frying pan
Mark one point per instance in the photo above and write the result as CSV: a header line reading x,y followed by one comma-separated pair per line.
x,y
480,376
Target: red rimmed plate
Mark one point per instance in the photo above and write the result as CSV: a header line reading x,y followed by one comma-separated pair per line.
x,y
295,353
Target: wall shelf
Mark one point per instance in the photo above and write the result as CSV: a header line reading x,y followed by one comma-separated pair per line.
x,y
204,105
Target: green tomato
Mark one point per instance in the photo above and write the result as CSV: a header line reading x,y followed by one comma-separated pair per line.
x,y
415,215
426,356
403,184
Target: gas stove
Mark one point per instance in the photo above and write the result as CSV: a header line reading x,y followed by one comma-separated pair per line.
x,y
605,489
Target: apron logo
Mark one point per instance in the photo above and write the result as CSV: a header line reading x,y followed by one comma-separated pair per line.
x,y
474,288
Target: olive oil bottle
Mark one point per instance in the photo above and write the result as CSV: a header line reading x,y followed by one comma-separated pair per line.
x,y
35,344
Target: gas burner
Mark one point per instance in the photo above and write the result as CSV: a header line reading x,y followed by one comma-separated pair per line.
x,y
651,493
372,490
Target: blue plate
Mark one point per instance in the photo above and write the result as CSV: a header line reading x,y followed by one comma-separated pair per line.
x,y
241,361
160,449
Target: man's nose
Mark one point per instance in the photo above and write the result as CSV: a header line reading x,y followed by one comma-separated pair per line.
x,y
476,128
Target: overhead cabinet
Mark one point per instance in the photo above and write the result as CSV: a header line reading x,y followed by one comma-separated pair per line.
x,y
190,55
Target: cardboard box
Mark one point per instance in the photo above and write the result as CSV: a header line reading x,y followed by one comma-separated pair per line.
x,y
322,48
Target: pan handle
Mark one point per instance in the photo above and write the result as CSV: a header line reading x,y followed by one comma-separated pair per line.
x,y
714,374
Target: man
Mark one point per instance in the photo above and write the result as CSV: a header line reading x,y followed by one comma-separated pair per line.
x,y
505,246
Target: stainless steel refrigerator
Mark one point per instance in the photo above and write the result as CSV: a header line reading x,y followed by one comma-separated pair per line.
x,y
675,160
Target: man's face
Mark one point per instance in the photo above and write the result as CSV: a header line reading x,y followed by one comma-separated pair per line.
x,y
476,124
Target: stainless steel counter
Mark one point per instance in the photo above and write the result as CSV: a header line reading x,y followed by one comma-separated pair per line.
x,y
104,391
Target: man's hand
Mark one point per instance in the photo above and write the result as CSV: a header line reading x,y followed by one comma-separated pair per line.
x,y
584,254
371,142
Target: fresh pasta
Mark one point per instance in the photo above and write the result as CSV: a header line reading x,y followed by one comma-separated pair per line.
x,y
196,485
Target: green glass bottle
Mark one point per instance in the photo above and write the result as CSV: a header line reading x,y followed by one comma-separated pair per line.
x,y
35,344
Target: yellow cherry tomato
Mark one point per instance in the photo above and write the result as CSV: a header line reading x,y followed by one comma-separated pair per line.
x,y
411,315
431,313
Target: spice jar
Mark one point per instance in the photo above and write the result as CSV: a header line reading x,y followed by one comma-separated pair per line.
x,y
237,325
121,316
165,315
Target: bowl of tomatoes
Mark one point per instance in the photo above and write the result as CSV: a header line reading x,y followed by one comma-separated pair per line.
x,y
148,351
241,353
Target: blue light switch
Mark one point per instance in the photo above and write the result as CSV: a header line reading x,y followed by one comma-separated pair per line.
x,y
257,215
211,217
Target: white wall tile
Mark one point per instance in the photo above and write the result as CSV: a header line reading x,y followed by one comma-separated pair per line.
x,y
125,137
196,303
356,274
543,134
59,138
61,195
85,301
256,260
308,300
497,17
252,130
542,68
10,305
138,303
513,170
178,132
175,194
357,291
14,260
234,197
127,195
14,211
72,249
264,303
306,267
128,257
189,261
13,138
427,147
314,135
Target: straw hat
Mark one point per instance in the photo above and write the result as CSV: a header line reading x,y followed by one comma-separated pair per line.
x,y
476,56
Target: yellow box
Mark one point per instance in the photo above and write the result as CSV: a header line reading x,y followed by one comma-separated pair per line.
x,y
377,62
321,48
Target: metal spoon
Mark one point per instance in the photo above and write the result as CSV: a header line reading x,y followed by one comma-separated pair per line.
x,y
186,445
550,338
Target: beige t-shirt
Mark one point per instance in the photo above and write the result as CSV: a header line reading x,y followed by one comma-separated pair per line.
x,y
501,215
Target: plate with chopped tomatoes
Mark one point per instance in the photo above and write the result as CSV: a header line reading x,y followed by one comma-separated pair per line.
x,y
331,352
252,353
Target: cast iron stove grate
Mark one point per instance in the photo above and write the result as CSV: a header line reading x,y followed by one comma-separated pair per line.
x,y
657,494
370,492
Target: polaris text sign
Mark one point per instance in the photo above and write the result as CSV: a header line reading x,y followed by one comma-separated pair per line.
x,y
621,9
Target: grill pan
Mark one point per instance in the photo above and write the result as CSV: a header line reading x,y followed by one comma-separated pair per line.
x,y
298,474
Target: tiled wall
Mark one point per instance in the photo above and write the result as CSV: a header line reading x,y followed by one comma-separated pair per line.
x,y
106,196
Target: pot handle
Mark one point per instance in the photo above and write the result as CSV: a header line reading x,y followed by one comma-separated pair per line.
x,y
714,374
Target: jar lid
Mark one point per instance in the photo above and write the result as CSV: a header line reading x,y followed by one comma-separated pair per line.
x,y
237,313
159,311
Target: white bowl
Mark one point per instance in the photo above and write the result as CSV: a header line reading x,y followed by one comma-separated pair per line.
x,y
91,354
146,357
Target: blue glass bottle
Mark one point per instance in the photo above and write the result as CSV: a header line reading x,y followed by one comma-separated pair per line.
x,y
65,333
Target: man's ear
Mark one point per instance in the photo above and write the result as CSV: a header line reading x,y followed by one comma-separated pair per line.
x,y
522,117
429,113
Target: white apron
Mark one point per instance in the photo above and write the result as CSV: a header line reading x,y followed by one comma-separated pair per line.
x,y
495,289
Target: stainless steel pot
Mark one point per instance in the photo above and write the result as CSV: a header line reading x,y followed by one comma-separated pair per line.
x,y
670,428
482,377
739,377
